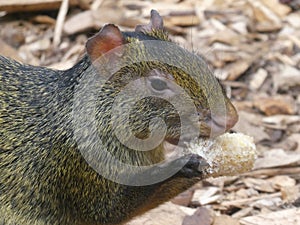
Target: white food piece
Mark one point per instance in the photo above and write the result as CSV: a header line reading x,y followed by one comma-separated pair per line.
x,y
227,155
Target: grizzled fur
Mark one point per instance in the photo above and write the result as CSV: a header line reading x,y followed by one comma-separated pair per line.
x,y
44,179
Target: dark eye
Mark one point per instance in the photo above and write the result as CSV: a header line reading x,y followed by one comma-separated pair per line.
x,y
158,85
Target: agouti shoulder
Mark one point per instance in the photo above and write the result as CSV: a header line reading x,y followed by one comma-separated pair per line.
x,y
88,145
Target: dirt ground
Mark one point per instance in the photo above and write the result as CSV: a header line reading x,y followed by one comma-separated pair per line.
x,y
253,46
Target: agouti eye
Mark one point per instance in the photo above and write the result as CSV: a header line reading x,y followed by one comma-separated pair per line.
x,y
158,85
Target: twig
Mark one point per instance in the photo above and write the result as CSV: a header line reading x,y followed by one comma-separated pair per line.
x,y
60,21
247,201
96,4
274,171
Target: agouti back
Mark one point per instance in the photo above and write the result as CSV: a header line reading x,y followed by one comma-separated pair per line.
x,y
45,177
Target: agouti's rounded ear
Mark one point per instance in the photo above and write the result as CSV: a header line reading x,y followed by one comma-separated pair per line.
x,y
108,38
156,23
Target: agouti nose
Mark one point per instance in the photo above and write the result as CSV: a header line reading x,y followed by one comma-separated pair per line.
x,y
222,123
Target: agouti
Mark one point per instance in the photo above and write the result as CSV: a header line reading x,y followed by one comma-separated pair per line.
x,y
58,134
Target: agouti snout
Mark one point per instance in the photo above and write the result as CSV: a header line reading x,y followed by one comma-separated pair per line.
x,y
87,145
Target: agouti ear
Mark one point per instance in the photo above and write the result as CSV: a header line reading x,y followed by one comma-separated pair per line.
x,y
156,23
108,38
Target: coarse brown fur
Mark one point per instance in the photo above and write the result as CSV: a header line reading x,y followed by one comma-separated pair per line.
x,y
44,177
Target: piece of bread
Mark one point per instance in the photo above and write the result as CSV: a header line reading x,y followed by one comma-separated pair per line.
x,y
227,155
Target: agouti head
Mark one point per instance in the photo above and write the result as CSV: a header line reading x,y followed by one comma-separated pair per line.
x,y
151,90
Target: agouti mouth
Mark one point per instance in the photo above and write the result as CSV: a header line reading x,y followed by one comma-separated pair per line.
x,y
199,130
210,129
172,151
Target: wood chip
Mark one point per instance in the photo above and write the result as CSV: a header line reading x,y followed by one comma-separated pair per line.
x,y
271,159
44,19
286,217
182,20
249,124
275,105
205,196
225,220
247,201
258,79
288,77
202,216
280,121
184,198
279,182
235,70
266,19
165,214
294,19
242,213
277,7
259,184
290,193
8,51
31,5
